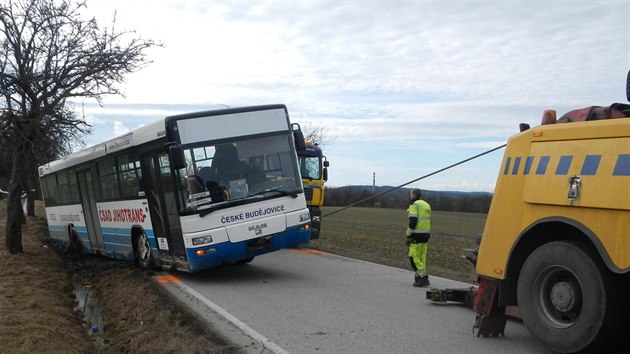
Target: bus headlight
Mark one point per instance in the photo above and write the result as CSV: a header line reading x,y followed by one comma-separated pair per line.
x,y
201,240
305,217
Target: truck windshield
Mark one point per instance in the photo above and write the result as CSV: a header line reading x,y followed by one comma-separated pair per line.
x,y
238,171
310,167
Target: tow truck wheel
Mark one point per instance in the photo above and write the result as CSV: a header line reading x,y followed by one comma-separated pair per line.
x,y
566,298
143,252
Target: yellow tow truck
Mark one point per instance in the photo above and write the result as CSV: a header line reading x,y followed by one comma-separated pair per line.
x,y
557,238
555,250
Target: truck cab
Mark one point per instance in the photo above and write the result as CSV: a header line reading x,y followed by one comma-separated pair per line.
x,y
314,171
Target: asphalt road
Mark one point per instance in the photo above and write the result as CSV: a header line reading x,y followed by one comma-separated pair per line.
x,y
300,302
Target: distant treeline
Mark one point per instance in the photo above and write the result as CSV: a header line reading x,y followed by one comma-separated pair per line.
x,y
470,202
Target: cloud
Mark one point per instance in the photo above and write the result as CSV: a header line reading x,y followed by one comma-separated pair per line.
x,y
120,129
92,119
453,77
476,50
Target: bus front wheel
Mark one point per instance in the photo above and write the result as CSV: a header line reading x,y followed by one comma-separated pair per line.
x,y
567,298
143,252
244,261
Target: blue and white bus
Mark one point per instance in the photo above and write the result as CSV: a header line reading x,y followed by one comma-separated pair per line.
x,y
187,192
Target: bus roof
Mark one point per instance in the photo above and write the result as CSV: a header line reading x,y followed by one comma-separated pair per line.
x,y
141,135
138,136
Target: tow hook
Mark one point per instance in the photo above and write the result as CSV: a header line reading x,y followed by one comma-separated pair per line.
x,y
491,318
259,244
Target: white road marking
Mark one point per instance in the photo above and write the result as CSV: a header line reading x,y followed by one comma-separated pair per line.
x,y
238,323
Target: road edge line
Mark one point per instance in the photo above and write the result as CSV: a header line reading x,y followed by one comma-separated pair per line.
x,y
231,318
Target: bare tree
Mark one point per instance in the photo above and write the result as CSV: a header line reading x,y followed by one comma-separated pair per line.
x,y
50,55
317,135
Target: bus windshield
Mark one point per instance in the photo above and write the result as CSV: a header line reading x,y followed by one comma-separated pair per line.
x,y
238,171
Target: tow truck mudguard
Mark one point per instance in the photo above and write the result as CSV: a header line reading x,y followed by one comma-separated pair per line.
x,y
491,318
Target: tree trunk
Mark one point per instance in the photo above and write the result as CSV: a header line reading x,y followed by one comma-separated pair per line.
x,y
15,213
30,185
15,216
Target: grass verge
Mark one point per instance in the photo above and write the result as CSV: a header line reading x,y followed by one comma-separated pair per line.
x,y
37,304
36,297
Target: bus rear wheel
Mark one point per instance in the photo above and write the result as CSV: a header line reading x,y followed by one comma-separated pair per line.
x,y
75,248
143,252
567,299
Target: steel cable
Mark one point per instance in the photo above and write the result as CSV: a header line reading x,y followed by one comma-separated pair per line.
x,y
415,180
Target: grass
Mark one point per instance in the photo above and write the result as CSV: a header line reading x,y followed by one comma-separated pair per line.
x,y
377,235
36,299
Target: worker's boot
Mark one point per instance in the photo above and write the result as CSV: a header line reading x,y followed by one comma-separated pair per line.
x,y
422,281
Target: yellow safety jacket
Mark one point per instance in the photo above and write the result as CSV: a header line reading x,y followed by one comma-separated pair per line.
x,y
419,218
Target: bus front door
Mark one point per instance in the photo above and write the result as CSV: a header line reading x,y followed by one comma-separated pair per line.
x,y
160,192
90,214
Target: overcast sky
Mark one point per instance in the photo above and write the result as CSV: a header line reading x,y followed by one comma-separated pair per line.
x,y
404,87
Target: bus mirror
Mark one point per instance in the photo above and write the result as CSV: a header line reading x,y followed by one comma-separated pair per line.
x,y
299,139
325,174
176,155
326,163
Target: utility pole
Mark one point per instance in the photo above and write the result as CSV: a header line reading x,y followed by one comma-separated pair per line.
x,y
373,181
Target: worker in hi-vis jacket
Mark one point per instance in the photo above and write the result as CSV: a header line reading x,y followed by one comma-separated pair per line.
x,y
418,234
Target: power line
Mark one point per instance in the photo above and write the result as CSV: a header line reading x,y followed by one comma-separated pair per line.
x,y
415,180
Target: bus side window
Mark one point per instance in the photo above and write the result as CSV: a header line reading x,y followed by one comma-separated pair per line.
x,y
128,175
49,186
63,188
73,186
108,179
